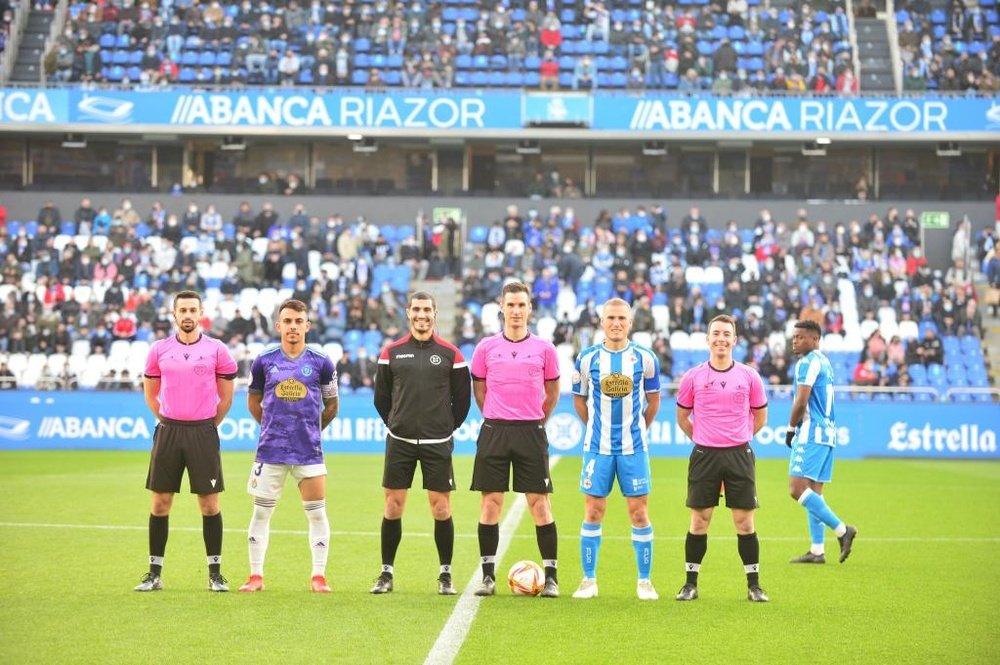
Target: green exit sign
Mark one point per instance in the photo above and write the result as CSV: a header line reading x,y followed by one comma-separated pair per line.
x,y
935,220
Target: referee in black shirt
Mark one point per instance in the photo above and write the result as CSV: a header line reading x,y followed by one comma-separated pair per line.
x,y
422,392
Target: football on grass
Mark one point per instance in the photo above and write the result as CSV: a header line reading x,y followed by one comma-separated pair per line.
x,y
526,578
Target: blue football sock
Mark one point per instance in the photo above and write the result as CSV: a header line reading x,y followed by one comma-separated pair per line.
x,y
817,534
642,543
816,506
590,543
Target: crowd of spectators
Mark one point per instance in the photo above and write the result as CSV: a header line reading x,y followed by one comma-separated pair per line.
x,y
954,49
78,285
857,279
726,46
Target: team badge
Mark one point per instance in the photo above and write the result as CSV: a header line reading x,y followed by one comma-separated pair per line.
x,y
435,359
307,370
587,484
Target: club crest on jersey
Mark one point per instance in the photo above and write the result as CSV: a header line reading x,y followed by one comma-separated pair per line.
x,y
307,370
435,359
616,385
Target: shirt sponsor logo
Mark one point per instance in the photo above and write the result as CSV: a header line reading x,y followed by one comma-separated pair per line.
x,y
290,390
616,385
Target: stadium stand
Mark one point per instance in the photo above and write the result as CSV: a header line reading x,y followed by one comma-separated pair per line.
x,y
618,43
81,299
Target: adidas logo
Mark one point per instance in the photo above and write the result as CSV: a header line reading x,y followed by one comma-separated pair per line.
x,y
251,540
320,544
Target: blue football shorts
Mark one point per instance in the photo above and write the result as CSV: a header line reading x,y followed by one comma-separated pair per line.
x,y
599,473
812,461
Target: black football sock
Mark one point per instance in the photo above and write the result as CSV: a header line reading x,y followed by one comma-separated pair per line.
x,y
548,547
489,541
159,529
694,551
444,538
749,548
211,531
392,533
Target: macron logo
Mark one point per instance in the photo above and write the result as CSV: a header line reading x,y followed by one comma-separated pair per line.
x,y
212,481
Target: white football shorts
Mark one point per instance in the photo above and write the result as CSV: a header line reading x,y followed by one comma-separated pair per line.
x,y
267,480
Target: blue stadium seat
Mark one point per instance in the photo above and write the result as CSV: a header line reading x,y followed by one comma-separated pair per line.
x,y
969,344
362,45
514,80
359,77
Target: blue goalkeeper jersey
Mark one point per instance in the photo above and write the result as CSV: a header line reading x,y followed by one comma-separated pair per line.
x,y
615,384
819,425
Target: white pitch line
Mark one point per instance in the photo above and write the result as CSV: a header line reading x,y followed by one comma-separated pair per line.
x,y
453,634
376,534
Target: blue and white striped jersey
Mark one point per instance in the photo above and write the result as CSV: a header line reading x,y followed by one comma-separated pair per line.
x,y
819,424
615,384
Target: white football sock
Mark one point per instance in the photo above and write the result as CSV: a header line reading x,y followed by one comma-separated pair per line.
x,y
319,534
259,532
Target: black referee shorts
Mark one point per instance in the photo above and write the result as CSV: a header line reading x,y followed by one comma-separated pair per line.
x,y
401,459
506,443
191,445
709,468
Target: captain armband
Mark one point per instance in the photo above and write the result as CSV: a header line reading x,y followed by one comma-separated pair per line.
x,y
329,390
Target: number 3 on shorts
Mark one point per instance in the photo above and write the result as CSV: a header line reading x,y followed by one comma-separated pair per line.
x,y
257,468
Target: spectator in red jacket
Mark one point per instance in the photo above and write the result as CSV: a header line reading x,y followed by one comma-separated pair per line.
x,y
549,72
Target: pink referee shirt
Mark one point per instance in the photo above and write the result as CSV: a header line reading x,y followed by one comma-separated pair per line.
x,y
515,375
722,403
188,374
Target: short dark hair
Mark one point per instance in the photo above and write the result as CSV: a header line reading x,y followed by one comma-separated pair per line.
x,y
725,318
294,305
514,287
194,295
811,326
420,295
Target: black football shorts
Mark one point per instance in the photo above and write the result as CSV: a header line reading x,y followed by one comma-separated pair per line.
x,y
401,459
503,444
191,445
709,468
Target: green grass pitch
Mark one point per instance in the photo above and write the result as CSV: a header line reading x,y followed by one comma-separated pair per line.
x,y
921,586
